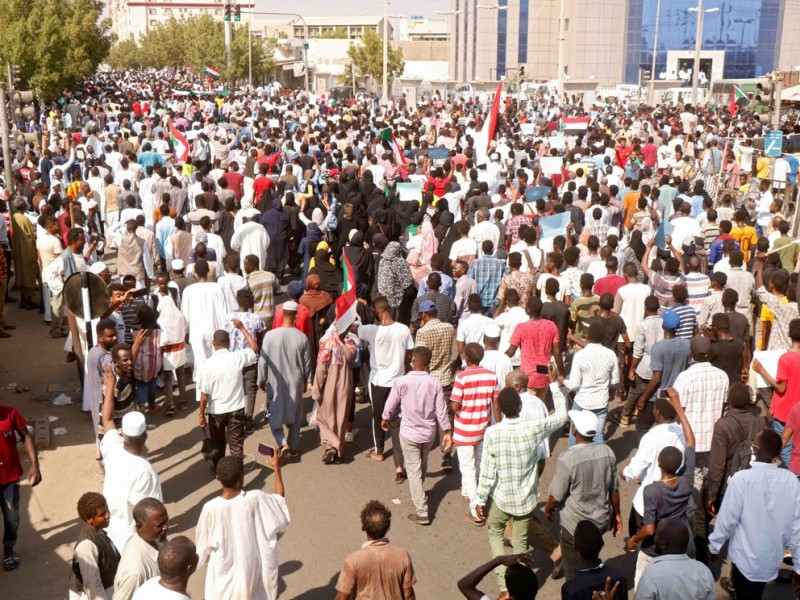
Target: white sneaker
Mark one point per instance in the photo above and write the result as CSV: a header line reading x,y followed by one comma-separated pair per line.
x,y
348,437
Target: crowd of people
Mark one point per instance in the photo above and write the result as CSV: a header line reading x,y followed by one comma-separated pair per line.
x,y
479,299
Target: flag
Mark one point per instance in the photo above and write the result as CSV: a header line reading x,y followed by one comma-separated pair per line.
x,y
179,143
554,225
486,134
387,135
346,303
210,71
736,96
574,125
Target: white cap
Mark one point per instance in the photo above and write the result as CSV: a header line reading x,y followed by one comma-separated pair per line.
x,y
98,267
585,421
178,265
491,331
133,424
291,306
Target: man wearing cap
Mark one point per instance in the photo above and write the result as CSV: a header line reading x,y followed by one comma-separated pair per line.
x,y
668,358
703,389
179,279
302,321
221,385
584,486
284,369
129,477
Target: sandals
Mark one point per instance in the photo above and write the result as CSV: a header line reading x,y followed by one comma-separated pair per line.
x,y
376,456
170,410
11,562
155,409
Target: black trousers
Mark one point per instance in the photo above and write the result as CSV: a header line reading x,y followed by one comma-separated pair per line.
x,y
227,429
746,589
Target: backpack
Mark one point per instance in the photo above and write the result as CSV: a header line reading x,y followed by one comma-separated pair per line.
x,y
536,272
742,452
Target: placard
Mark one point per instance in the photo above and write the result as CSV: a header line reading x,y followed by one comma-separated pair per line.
x,y
769,360
408,191
526,129
551,165
554,225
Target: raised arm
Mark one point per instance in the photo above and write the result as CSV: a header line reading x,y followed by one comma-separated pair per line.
x,y
675,400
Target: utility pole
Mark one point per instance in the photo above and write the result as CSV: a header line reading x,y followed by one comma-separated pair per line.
x,y
561,41
651,95
4,132
385,87
228,11
698,45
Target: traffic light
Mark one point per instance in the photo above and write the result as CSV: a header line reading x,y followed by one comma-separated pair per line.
x,y
23,105
227,12
764,93
14,76
237,13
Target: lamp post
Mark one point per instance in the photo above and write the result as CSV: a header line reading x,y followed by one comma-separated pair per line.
x,y
385,86
651,95
498,8
698,44
448,14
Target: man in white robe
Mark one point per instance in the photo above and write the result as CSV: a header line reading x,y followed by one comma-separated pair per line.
x,y
250,238
203,306
237,536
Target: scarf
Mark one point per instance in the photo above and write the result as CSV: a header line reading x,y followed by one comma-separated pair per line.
x,y
331,347
315,299
394,275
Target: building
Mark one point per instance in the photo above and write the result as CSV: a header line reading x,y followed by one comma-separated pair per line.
x,y
420,29
610,41
132,18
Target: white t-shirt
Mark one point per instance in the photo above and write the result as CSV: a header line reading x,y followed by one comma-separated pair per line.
x,y
632,310
563,284
153,590
471,329
499,364
463,247
508,322
387,351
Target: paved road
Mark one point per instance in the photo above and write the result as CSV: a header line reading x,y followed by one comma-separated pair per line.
x,y
324,501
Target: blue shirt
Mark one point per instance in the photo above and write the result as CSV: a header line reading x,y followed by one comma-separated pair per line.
x,y
448,288
487,273
670,356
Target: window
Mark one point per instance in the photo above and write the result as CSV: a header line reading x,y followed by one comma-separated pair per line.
x,y
566,25
152,11
153,23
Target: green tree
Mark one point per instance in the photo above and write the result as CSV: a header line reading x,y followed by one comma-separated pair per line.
x,y
368,58
338,33
124,55
54,43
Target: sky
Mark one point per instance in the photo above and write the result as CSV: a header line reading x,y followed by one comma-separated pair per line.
x,y
361,8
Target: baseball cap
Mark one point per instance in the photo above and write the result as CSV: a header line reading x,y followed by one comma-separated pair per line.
x,y
700,345
585,421
133,424
671,320
427,306
334,173
290,306
178,265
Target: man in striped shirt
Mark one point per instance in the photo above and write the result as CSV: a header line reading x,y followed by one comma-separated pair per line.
x,y
474,391
686,313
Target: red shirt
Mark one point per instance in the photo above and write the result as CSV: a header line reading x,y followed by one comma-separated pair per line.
x,y
788,371
649,152
236,182
302,321
535,341
11,424
609,284
438,185
259,186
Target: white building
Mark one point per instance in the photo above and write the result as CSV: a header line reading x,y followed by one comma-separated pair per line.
x,y
132,18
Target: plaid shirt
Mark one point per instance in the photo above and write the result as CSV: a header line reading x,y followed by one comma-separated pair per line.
x,y
513,225
488,273
437,337
445,307
509,465
702,389
783,313
601,231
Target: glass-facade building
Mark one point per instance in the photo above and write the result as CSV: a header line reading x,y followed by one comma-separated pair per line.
x,y
749,32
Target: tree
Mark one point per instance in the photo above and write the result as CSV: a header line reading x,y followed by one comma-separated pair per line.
x,y
192,42
368,58
54,43
337,33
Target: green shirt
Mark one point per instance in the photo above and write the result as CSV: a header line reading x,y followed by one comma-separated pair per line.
x,y
581,310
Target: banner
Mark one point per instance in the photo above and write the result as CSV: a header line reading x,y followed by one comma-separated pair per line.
x,y
551,165
526,129
554,225
532,194
665,228
409,191
438,153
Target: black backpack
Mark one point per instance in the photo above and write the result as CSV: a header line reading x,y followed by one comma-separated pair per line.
x,y
742,452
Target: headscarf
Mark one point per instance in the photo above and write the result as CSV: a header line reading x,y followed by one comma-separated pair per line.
x,y
315,299
360,259
637,245
328,273
429,243
394,274
331,347
446,220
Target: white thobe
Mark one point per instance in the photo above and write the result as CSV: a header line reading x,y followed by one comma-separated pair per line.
x,y
203,306
238,539
251,238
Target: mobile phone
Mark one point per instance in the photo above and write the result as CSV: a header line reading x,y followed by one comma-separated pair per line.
x,y
266,450
662,393
140,293
543,369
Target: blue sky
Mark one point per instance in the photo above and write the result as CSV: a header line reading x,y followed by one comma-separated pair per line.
x,y
312,8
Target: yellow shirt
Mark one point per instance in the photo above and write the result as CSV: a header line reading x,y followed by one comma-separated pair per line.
x,y
747,238
762,165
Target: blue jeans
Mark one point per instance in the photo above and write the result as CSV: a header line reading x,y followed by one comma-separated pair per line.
x,y
778,428
146,391
602,415
9,502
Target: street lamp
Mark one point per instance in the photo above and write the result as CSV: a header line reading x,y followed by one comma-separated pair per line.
x,y
498,8
698,44
448,13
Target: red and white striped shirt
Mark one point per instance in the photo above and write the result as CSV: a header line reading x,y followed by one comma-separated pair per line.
x,y
474,388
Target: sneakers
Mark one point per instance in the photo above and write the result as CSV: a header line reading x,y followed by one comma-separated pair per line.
x,y
419,519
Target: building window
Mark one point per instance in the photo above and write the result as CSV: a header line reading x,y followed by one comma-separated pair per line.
x,y
502,40
522,40
152,11
153,23
167,11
